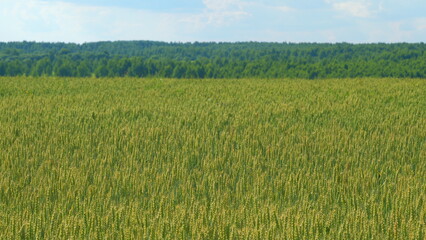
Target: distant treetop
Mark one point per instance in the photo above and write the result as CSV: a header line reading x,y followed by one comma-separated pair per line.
x,y
213,60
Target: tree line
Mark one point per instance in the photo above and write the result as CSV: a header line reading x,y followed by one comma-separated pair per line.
x,y
213,60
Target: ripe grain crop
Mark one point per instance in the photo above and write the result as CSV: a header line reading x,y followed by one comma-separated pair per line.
x,y
133,158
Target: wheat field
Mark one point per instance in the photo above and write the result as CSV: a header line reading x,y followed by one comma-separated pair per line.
x,y
129,158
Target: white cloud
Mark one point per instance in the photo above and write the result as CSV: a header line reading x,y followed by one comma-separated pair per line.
x,y
284,9
221,12
223,18
357,9
60,21
420,24
360,8
218,20
39,20
220,5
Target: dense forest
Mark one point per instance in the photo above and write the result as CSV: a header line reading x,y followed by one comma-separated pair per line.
x,y
213,60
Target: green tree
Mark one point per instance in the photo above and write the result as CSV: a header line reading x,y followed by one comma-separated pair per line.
x,y
43,67
138,68
14,68
83,70
2,69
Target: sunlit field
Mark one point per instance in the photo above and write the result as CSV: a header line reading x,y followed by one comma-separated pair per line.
x,y
129,158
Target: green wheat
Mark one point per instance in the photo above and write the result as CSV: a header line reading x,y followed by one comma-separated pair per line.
x,y
212,159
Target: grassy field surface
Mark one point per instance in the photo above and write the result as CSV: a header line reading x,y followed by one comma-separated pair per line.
x,y
212,159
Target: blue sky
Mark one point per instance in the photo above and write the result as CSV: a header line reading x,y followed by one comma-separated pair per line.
x,y
81,21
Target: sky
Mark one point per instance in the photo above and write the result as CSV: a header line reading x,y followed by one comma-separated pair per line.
x,y
79,21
